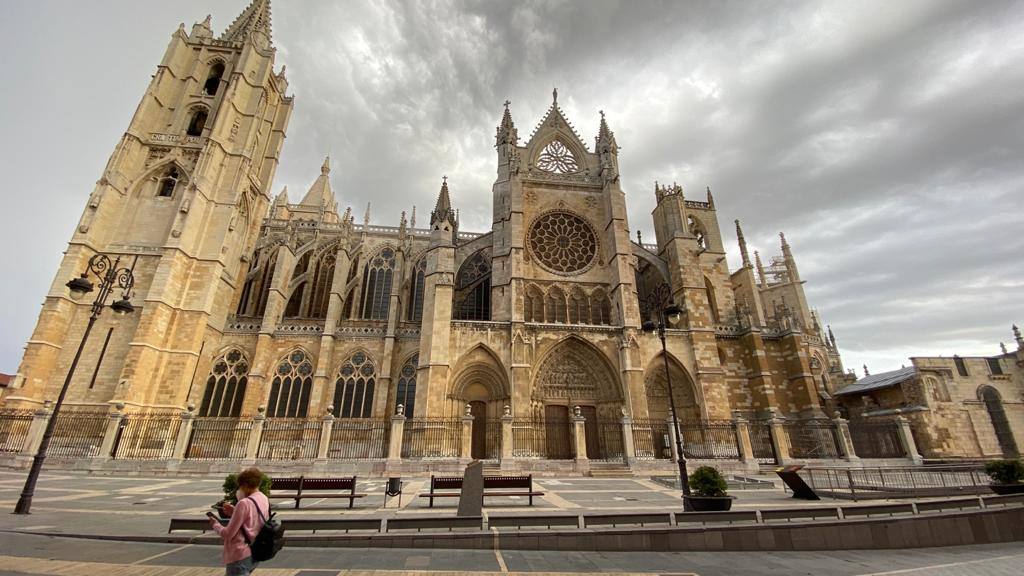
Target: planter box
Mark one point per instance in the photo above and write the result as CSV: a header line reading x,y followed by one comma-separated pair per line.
x,y
707,503
1004,489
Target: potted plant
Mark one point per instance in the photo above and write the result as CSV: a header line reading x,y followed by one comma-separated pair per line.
x,y
707,492
230,486
1007,476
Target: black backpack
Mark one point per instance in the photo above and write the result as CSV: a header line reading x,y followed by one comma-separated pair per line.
x,y
269,540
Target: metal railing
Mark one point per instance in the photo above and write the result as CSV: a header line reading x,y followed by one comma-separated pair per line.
x,y
214,438
709,440
812,438
761,442
542,438
651,439
492,438
876,439
432,438
78,433
609,442
889,482
289,439
14,426
146,436
359,439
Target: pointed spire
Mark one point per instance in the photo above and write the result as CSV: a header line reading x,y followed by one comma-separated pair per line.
x,y
1002,346
711,199
1016,336
866,373
743,245
760,268
412,221
208,21
787,256
282,197
443,209
255,19
831,336
506,132
326,168
320,193
366,217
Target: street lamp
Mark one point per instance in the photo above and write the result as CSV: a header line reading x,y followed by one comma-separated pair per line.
x,y
660,300
110,277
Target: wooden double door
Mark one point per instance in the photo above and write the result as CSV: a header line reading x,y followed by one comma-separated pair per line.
x,y
558,433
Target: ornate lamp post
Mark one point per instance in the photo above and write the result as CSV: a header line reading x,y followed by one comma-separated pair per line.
x,y
110,277
660,300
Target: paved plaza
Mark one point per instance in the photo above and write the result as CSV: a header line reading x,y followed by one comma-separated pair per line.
x,y
76,504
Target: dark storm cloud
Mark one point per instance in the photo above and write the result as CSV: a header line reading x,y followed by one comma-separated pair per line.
x,y
884,138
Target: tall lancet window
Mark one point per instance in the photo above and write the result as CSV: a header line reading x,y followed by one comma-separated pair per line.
x,y
416,291
405,394
377,276
353,392
168,182
225,387
473,288
289,391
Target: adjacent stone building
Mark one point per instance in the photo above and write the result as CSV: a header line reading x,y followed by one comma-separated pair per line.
x,y
251,302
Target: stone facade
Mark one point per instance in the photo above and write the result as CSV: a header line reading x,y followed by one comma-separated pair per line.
x,y
248,302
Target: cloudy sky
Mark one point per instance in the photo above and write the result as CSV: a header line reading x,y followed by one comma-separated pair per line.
x,y
885,139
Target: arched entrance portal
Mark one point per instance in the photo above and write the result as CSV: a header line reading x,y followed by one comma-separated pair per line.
x,y
575,373
996,413
481,384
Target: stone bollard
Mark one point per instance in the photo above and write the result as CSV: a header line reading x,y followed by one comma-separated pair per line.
x,y
252,447
779,439
108,445
579,434
845,440
506,433
907,439
36,428
184,432
466,449
628,449
395,440
744,445
326,429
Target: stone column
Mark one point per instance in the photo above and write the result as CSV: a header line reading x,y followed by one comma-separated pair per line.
x,y
110,434
395,441
779,439
843,436
671,438
579,440
506,434
326,427
255,434
36,429
743,443
184,433
628,450
466,449
907,440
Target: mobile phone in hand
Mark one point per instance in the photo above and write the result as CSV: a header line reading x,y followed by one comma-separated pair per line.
x,y
211,515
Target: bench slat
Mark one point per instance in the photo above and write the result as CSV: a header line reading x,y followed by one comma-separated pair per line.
x,y
799,513
448,523
711,517
955,504
877,510
626,519
533,521
346,524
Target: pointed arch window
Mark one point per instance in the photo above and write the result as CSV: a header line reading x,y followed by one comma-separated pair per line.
x,y
377,277
600,308
289,391
554,308
712,300
197,123
406,392
225,387
416,291
294,307
353,391
1000,423
168,182
323,276
213,79
257,287
473,288
534,303
557,159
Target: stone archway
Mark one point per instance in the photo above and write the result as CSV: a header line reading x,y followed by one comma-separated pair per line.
x,y
683,391
481,384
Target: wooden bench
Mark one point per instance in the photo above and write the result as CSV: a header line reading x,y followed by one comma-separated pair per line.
x,y
877,510
449,523
493,486
789,514
614,520
342,524
714,517
534,521
299,487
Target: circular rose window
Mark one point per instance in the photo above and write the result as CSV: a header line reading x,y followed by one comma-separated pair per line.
x,y
563,243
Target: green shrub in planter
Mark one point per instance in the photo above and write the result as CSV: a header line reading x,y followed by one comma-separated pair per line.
x,y
1005,471
230,486
707,481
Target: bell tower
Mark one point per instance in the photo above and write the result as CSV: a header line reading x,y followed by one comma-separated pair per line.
x,y
181,196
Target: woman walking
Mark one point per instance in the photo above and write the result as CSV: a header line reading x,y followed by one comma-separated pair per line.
x,y
245,523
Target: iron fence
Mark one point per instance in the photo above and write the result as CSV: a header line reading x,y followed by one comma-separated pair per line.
x,y
146,436
359,439
14,426
528,438
876,439
492,439
812,438
289,439
651,439
709,440
432,438
214,438
889,482
609,442
78,433
761,442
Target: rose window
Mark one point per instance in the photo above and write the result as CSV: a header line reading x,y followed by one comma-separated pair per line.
x,y
556,158
563,243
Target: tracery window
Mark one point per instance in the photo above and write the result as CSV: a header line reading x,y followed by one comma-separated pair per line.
x,y
353,392
289,391
257,288
415,313
563,243
472,297
213,80
377,276
406,392
225,387
578,307
168,182
323,275
557,159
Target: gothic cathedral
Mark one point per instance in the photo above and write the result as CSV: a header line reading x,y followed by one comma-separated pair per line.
x,y
249,302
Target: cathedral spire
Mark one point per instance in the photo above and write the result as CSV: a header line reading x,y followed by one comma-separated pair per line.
x,y
760,268
711,199
255,19
320,193
605,136
831,337
787,256
506,132
443,209
743,245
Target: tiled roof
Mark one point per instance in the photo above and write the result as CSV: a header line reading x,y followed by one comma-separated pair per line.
x,y
878,381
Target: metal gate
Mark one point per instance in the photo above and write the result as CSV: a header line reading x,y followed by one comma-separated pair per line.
x,y
761,443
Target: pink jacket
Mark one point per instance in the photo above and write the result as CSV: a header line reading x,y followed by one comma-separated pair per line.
x,y
244,517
